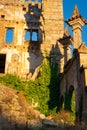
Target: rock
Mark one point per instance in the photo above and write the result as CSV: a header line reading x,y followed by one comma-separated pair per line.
x,y
34,123
49,123
42,116
62,121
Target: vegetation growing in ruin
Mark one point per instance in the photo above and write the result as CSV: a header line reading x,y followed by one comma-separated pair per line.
x,y
43,93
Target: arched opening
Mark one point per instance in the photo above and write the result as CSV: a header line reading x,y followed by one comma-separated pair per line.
x,y
70,99
72,96
62,102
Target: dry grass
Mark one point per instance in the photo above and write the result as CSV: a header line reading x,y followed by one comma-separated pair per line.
x,y
64,117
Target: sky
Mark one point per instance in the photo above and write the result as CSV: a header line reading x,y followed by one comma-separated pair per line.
x,y
68,7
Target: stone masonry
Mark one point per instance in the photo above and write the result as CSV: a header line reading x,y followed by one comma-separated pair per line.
x,y
22,55
31,30
74,76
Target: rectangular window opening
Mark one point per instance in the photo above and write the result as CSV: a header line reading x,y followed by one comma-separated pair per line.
x,y
26,0
31,35
40,1
33,0
2,16
27,35
24,8
9,35
34,36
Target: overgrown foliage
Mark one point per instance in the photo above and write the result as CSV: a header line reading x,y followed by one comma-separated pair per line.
x,y
43,92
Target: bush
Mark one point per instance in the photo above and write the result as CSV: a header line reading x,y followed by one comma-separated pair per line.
x,y
44,89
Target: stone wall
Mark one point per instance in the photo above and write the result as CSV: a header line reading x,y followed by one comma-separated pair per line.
x,y
21,16
74,77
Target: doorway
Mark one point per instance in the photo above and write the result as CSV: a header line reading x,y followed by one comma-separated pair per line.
x,y
2,63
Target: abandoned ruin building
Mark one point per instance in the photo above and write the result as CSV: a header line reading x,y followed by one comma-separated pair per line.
x,y
29,29
33,30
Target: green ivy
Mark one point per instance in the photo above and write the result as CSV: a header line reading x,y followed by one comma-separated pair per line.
x,y
43,91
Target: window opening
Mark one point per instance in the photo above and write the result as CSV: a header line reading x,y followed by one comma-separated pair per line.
x,y
9,35
2,16
39,0
24,9
27,35
33,0
31,35
34,36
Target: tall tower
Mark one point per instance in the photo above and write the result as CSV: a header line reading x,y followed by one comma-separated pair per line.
x,y
76,22
52,12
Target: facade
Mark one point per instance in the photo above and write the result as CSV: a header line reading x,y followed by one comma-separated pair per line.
x,y
74,76
28,29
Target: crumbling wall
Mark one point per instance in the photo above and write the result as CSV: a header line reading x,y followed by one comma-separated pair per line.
x,y
32,17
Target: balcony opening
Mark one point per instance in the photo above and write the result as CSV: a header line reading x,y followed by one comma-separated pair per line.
x,y
31,35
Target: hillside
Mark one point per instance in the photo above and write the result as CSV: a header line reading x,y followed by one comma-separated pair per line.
x,y
17,114
15,111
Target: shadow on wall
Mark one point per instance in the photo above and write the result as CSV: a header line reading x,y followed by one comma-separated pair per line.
x,y
33,34
55,57
73,98
68,103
